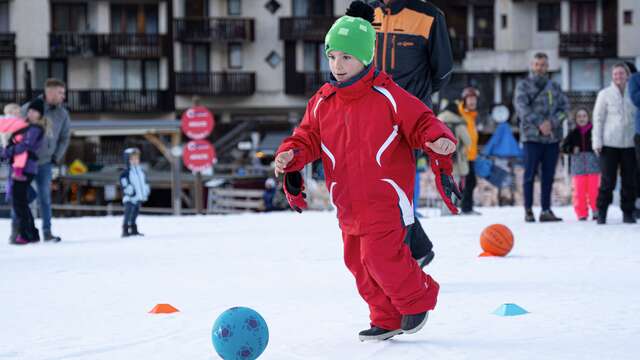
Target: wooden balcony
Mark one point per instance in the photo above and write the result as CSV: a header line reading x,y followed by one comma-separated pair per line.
x,y
216,83
313,28
7,45
214,29
305,83
588,45
63,44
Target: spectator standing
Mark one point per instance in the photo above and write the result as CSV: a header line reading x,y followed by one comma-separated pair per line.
x,y
53,148
541,107
613,135
468,109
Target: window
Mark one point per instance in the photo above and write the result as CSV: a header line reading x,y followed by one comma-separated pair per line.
x,y
585,75
69,17
628,17
312,7
314,58
583,17
135,74
504,21
196,8
6,75
235,55
234,7
548,17
4,16
132,19
46,69
195,58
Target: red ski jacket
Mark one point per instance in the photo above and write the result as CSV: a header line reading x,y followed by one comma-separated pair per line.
x,y
365,134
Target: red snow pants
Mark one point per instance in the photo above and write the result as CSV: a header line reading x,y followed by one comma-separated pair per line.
x,y
388,278
585,194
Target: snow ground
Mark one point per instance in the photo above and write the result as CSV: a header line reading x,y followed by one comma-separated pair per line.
x,y
88,296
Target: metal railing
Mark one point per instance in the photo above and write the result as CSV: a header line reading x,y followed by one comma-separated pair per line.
x,y
95,101
216,83
63,44
588,45
214,29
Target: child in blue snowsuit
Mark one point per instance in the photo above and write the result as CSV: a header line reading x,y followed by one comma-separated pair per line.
x,y
135,190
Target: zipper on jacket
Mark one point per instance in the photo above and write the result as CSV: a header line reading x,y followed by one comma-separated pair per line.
x,y
385,26
393,52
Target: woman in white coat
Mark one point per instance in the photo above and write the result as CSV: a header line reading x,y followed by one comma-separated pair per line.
x,y
613,130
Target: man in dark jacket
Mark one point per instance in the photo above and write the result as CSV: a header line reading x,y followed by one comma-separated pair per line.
x,y
542,107
413,46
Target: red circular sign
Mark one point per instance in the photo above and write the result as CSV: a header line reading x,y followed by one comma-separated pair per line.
x,y
197,122
198,155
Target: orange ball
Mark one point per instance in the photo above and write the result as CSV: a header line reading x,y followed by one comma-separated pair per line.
x,y
496,239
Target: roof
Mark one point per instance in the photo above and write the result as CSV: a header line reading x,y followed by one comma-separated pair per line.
x,y
123,127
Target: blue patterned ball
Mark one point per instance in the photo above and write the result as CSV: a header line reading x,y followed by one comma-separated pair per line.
x,y
240,333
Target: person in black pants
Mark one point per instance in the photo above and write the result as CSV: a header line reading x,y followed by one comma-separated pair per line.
x,y
613,133
27,140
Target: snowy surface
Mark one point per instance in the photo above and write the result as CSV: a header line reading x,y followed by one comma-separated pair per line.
x,y
88,296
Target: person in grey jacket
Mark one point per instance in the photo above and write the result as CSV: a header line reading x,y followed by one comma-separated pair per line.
x,y
52,151
541,107
613,130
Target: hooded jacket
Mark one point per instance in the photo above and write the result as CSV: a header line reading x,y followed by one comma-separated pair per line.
x,y
134,183
32,138
55,144
413,46
365,134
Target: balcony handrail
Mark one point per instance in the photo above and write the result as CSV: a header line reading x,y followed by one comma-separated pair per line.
x,y
137,45
103,100
214,28
222,83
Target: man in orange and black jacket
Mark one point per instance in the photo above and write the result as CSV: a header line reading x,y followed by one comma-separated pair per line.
x,y
413,45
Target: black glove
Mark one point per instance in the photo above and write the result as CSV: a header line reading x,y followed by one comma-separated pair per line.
x,y
54,161
293,190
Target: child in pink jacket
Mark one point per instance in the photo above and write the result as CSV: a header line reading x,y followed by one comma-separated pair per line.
x,y
11,126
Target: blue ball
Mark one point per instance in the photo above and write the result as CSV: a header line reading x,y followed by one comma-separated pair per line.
x,y
240,333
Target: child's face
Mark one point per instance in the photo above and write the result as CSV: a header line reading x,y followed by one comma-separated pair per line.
x,y
134,159
33,115
344,66
582,118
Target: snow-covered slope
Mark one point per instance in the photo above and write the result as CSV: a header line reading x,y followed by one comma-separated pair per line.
x,y
88,296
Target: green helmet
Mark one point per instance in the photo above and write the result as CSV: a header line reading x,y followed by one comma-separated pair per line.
x,y
354,36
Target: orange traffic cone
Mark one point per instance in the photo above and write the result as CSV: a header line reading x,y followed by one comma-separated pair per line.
x,y
163,309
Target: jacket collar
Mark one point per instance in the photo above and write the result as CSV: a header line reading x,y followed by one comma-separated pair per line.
x,y
356,87
395,6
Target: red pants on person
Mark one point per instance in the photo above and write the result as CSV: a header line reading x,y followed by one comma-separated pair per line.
x,y
388,278
585,194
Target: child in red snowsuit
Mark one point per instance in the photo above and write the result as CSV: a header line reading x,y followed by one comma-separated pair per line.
x,y
364,127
